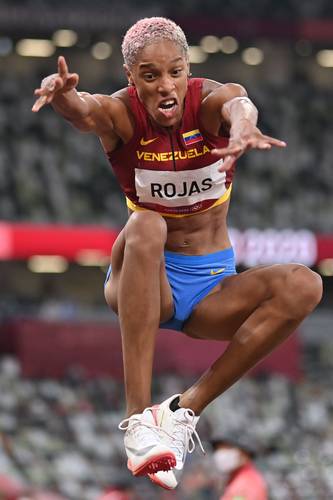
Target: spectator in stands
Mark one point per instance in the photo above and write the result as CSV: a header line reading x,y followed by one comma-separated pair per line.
x,y
117,494
234,460
9,489
120,488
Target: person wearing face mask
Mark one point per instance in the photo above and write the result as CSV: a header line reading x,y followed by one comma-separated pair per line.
x,y
241,479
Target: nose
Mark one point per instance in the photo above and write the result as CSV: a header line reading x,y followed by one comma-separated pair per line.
x,y
166,85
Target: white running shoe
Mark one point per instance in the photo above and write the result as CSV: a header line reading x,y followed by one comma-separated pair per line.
x,y
179,427
144,448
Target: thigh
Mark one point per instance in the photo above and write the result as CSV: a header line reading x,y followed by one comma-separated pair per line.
x,y
219,315
112,285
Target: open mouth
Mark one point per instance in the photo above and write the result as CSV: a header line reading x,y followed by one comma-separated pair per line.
x,y
168,107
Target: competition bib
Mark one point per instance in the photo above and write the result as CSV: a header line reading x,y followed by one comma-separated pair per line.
x,y
180,188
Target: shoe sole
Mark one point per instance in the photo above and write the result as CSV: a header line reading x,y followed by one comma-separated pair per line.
x,y
162,462
156,481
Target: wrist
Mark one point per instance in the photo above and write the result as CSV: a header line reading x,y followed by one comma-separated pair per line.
x,y
242,128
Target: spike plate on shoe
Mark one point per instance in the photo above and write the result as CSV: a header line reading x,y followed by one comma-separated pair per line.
x,y
163,462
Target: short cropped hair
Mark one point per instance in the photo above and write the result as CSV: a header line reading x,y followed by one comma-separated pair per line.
x,y
149,30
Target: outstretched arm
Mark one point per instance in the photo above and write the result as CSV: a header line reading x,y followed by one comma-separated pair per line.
x,y
239,112
83,110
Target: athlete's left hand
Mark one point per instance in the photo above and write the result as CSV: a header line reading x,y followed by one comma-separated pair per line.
x,y
237,146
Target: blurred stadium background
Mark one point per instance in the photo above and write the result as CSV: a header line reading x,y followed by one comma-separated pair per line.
x,y
61,394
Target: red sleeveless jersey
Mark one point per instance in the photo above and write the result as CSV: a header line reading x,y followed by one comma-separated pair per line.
x,y
171,172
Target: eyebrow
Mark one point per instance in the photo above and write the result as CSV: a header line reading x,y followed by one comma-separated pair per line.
x,y
152,65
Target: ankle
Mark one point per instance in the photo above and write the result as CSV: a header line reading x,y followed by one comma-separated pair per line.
x,y
190,402
135,410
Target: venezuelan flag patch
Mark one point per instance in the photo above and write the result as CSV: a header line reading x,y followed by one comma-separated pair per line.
x,y
192,137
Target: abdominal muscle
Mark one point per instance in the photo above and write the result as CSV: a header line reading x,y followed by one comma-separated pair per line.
x,y
199,234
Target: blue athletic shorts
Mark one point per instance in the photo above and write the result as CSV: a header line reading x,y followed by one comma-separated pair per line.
x,y
191,278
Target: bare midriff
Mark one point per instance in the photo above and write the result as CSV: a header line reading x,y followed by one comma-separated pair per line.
x,y
199,234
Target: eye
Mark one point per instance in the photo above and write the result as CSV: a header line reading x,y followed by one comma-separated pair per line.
x,y
149,76
177,71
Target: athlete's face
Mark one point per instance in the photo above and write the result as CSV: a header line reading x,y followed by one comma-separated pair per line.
x,y
160,76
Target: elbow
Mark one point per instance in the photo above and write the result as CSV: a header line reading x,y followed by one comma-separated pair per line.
x,y
240,104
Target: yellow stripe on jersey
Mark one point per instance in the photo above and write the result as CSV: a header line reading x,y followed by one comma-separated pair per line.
x,y
135,208
191,132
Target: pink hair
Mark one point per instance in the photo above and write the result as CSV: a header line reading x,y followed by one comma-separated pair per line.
x,y
150,30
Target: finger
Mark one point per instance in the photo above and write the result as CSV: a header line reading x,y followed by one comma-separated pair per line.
x,y
231,150
44,90
56,85
48,83
49,98
53,86
259,144
39,103
73,79
62,67
264,142
275,142
227,163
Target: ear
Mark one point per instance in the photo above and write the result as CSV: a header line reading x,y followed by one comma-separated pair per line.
x,y
128,74
189,74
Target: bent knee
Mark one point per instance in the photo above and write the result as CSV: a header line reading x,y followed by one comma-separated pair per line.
x,y
302,289
146,231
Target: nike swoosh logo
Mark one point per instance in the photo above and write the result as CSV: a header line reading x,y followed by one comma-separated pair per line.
x,y
217,271
149,141
141,452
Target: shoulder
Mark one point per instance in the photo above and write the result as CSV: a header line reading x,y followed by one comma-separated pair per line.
x,y
114,103
218,93
214,96
111,113
249,475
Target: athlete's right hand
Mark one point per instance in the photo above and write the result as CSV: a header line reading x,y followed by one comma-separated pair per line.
x,y
58,83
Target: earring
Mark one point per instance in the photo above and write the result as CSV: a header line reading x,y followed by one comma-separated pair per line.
x,y
189,75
